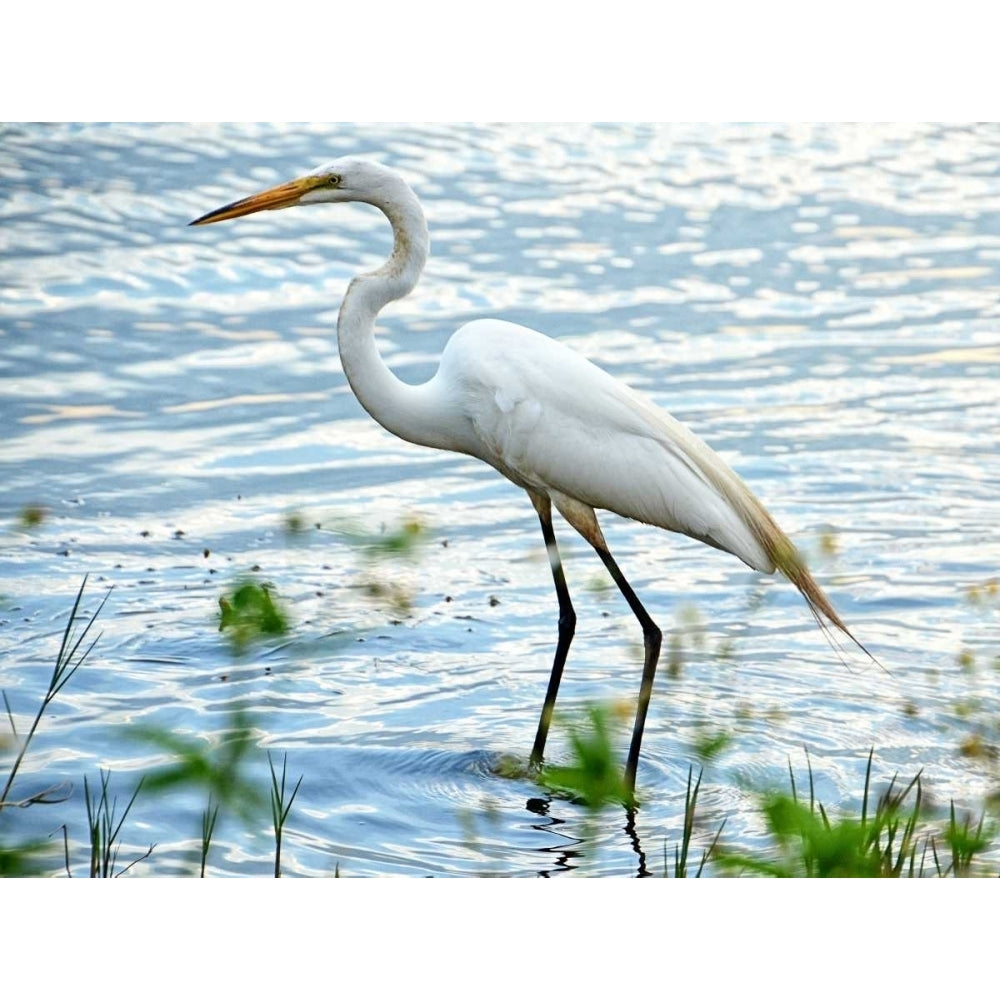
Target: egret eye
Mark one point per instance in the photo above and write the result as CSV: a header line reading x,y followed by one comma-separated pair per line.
x,y
333,180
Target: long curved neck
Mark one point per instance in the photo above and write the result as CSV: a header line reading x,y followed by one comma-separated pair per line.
x,y
412,412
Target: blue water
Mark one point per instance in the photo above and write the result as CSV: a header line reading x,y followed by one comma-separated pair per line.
x,y
819,302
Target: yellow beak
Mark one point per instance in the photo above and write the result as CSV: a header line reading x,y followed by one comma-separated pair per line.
x,y
277,197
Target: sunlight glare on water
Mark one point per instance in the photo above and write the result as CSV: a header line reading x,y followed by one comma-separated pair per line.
x,y
818,302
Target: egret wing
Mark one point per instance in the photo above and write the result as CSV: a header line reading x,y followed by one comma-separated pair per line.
x,y
551,420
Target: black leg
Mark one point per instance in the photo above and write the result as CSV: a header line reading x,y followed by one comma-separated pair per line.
x,y
652,638
567,626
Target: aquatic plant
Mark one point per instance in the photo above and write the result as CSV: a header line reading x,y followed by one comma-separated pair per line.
x,y
249,612
72,653
280,807
893,837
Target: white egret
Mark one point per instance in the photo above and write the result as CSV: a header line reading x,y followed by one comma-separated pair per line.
x,y
566,432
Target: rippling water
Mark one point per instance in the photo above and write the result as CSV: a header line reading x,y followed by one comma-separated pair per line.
x,y
820,303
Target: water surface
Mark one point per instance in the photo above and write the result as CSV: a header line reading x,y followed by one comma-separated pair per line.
x,y
820,303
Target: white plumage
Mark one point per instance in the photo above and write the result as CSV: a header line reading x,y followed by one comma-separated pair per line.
x,y
548,419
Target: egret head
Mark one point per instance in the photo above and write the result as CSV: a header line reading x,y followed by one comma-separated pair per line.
x,y
346,179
